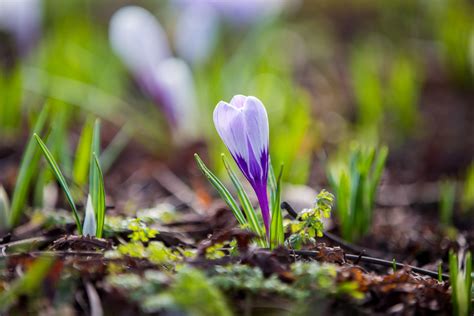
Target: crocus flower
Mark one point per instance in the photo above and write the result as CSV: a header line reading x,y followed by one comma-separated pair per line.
x,y
138,39
244,12
22,20
196,32
243,126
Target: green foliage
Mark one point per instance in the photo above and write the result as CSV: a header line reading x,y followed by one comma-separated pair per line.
x,y
140,231
365,66
96,181
453,22
309,224
190,292
355,182
460,269
222,190
81,162
11,94
386,88
95,206
28,284
60,178
467,200
251,220
447,198
403,90
277,234
28,168
195,294
249,211
311,278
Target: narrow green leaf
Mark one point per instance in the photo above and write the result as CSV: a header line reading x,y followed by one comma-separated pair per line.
x,y
60,177
249,211
99,195
83,154
93,173
113,150
222,190
277,236
28,167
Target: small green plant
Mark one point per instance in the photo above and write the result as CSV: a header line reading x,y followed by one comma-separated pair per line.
x,y
95,206
28,168
309,224
355,182
460,268
28,284
467,200
249,217
447,198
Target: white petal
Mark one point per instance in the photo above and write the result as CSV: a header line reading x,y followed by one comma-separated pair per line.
x,y
176,83
138,38
196,32
230,125
90,224
256,120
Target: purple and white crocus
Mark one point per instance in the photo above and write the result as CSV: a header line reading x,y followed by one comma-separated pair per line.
x,y
243,126
140,41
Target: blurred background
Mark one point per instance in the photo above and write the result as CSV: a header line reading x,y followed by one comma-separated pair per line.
x,y
330,73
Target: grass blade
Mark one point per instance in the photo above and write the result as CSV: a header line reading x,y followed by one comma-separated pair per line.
x,y
277,236
28,283
113,150
222,190
99,196
93,172
247,207
62,181
83,154
28,166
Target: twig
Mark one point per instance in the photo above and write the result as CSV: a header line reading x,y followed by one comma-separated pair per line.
x,y
381,262
358,258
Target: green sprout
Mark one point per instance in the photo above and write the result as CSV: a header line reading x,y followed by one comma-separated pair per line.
x,y
467,200
95,207
355,183
309,223
245,213
447,200
461,283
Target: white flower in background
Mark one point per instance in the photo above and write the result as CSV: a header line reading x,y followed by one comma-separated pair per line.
x,y
22,20
138,39
178,97
196,32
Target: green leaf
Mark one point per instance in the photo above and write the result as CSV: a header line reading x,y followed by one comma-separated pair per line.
x,y
28,167
249,211
277,236
62,181
113,150
83,154
29,282
94,177
222,190
99,196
